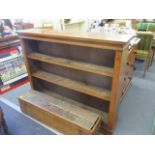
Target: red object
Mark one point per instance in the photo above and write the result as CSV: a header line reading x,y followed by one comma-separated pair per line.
x,y
15,86
8,50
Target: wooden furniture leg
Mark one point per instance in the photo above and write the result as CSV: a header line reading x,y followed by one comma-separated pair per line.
x,y
152,58
147,61
145,66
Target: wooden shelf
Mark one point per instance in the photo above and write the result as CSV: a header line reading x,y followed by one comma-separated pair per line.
x,y
92,68
73,85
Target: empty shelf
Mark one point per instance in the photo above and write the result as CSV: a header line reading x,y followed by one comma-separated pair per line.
x,y
82,66
73,85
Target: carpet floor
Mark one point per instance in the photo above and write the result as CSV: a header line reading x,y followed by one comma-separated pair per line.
x,y
137,110
19,124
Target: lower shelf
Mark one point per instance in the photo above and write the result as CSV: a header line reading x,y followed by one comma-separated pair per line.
x,y
73,85
60,114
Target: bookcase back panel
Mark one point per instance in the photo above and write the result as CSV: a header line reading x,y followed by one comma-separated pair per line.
x,y
34,65
87,78
30,45
84,54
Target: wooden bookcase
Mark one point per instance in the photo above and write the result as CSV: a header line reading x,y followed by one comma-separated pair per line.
x,y
90,69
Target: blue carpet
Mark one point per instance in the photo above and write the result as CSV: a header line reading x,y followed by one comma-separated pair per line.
x,y
18,124
137,110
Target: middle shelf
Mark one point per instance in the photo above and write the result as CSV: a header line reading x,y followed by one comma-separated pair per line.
x,y
73,64
94,91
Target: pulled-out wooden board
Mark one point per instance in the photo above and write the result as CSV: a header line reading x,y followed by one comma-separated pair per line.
x,y
59,114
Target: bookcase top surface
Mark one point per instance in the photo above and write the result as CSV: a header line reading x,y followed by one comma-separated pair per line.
x,y
114,38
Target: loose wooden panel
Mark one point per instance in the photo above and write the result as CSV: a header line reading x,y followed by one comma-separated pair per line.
x,y
62,115
96,69
104,115
74,85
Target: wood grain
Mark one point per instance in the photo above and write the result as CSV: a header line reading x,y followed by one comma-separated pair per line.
x,y
76,119
104,115
98,40
74,85
88,67
114,93
28,67
85,36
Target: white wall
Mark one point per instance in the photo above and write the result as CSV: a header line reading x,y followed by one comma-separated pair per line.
x,y
39,22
